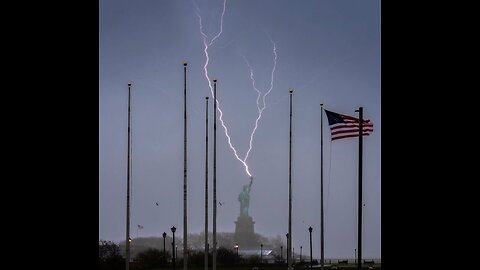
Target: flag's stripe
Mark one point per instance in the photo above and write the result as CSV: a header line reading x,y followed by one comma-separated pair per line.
x,y
340,132
347,117
351,118
348,132
350,121
348,136
337,126
355,121
335,130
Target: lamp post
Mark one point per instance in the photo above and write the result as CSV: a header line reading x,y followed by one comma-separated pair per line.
x,y
301,254
173,245
355,256
281,253
261,253
236,249
164,236
311,262
288,252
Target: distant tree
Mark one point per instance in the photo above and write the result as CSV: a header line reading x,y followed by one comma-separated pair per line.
x,y
151,258
109,257
196,258
226,256
255,259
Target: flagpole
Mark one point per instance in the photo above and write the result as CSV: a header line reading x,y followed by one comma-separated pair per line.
x,y
127,238
321,188
185,253
214,226
360,149
206,183
289,239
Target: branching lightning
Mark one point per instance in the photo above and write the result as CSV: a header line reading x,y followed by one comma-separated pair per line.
x,y
260,108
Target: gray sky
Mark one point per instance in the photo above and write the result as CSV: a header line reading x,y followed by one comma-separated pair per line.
x,y
327,51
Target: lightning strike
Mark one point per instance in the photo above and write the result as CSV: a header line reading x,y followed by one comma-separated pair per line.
x,y
260,109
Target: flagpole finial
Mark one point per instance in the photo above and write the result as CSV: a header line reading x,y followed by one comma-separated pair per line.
x,y
129,83
214,80
184,63
206,97
291,90
321,104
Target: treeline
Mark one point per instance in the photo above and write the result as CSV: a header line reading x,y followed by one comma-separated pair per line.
x,y
148,252
152,258
197,242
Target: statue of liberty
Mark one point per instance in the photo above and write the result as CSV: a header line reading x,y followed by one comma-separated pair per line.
x,y
244,198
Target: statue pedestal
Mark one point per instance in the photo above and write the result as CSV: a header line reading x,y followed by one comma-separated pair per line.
x,y
244,233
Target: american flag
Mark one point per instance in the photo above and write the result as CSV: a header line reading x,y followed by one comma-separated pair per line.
x,y
140,226
344,126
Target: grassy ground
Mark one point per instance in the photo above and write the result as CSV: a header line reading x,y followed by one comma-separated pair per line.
x,y
277,267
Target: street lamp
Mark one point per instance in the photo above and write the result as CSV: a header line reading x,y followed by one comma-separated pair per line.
x,y
355,257
261,253
173,245
288,251
236,248
281,253
164,236
301,254
311,262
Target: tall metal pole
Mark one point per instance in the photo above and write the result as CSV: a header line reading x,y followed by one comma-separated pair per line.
x,y
301,254
173,247
127,237
261,253
360,148
206,183
287,251
185,253
214,226
321,189
289,240
311,262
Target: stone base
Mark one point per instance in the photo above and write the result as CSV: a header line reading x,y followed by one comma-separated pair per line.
x,y
245,234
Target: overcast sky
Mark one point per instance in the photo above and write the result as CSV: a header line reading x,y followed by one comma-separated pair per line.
x,y
327,51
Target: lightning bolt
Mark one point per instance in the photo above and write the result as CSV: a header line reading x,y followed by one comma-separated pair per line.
x,y
260,108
